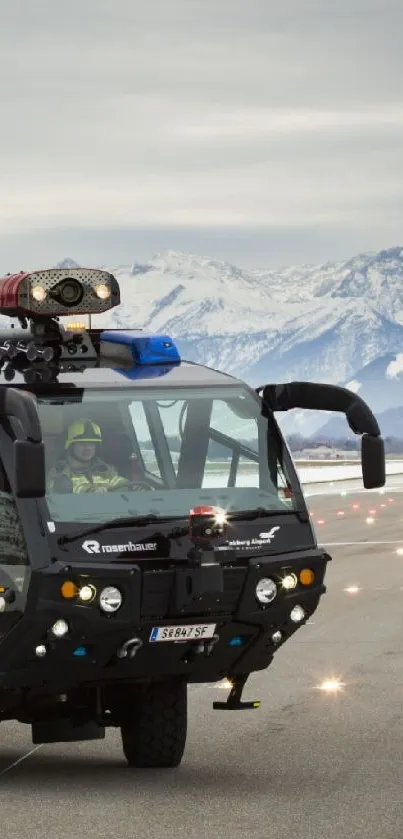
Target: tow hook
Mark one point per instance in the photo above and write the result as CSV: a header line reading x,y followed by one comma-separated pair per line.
x,y
201,648
129,648
234,702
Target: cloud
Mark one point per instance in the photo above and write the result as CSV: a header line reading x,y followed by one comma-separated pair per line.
x,y
194,114
395,368
354,385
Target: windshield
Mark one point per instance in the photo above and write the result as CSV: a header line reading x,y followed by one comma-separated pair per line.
x,y
124,453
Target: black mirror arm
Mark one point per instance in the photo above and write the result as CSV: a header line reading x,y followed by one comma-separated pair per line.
x,y
322,397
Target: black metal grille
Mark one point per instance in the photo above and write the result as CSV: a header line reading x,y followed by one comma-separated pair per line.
x,y
158,587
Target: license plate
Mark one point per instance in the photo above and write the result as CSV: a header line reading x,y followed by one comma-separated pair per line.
x,y
192,632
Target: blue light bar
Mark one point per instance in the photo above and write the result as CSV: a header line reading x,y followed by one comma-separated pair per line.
x,y
144,349
154,371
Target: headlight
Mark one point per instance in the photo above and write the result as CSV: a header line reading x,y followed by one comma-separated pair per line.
x,y
102,291
38,293
60,628
289,582
110,599
87,593
266,590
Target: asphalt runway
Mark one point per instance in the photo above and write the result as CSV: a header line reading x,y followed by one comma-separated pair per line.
x,y
308,764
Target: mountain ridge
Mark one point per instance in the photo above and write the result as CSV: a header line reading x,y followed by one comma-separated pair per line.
x,y
325,321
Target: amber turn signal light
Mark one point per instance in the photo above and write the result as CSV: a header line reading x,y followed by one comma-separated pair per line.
x,y
69,590
306,577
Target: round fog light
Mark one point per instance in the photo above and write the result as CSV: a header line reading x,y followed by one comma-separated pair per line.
x,y
60,628
40,650
276,637
297,614
110,599
266,590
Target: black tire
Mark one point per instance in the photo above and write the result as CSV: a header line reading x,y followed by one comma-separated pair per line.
x,y
155,735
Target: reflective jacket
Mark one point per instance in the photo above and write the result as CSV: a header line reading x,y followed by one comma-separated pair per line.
x,y
71,475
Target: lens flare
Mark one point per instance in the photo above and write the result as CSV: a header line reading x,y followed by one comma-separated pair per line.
x,y
331,686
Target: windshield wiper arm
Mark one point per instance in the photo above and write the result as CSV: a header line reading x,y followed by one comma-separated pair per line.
x,y
257,513
126,521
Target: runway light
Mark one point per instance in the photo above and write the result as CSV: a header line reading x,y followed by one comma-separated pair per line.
x,y
352,589
356,506
331,686
226,684
341,513
370,520
400,551
321,521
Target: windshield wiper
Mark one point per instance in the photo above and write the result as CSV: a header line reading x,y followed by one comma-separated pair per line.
x,y
257,513
126,521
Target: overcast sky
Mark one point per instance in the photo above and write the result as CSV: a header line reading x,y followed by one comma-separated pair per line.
x,y
260,131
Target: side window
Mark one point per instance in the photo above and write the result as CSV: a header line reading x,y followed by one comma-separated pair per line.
x,y
227,464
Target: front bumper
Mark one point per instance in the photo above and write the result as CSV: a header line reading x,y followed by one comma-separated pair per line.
x,y
243,640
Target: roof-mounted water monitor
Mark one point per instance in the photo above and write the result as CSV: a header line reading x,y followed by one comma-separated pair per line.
x,y
58,292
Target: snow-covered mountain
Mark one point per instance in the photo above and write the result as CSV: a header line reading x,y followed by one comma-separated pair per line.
x,y
325,321
380,383
310,322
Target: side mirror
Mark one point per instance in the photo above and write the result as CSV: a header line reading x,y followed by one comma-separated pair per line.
x,y
29,469
323,397
373,462
27,477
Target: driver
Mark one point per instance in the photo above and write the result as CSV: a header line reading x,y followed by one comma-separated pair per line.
x,y
83,470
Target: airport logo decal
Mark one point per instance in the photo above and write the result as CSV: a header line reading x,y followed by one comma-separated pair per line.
x,y
257,542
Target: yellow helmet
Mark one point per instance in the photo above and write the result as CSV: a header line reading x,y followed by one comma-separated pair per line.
x,y
83,431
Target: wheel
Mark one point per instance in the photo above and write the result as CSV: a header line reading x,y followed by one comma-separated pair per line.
x,y
155,734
